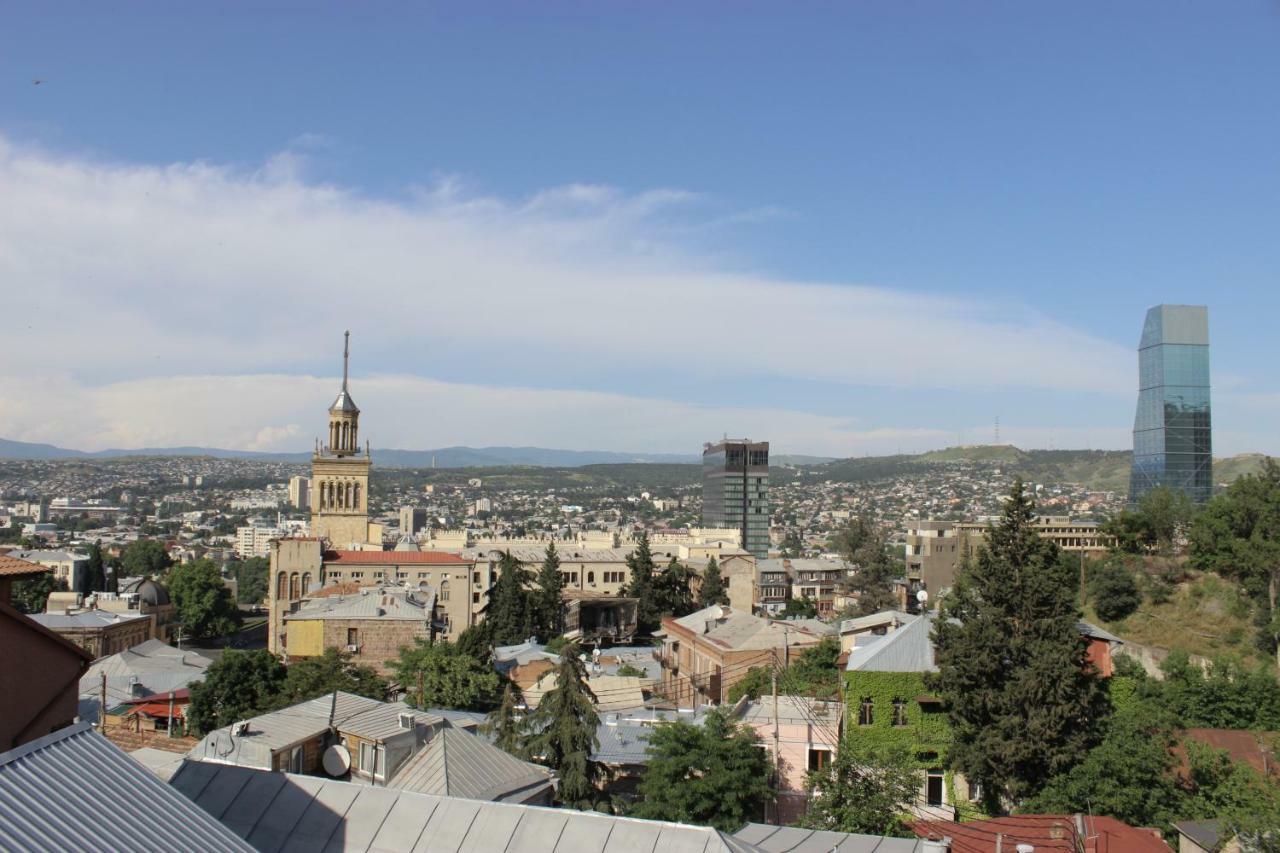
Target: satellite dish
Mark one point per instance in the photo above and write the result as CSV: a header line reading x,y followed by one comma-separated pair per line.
x,y
922,596
336,760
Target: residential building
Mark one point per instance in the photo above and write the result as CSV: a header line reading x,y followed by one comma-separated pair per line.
x,y
99,632
763,588
13,569
814,579
1205,836
39,679
369,623
69,567
254,540
150,670
735,490
75,790
1172,430
412,519
801,734
707,652
300,492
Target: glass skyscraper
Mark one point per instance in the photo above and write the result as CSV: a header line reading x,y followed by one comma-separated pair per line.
x,y
735,490
1172,438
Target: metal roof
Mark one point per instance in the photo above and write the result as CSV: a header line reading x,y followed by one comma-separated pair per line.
x,y
285,812
386,602
85,619
457,763
156,667
381,720
74,790
906,649
793,839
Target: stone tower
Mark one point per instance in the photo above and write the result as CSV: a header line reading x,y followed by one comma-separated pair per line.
x,y
340,473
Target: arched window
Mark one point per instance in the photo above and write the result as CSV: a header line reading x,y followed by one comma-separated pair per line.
x,y
306,581
356,502
444,590
591,578
281,585
293,586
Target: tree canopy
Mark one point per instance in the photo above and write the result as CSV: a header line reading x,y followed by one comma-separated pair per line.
x,y
563,730
547,605
251,579
144,558
238,685
714,774
202,600
864,791
713,589
671,589
444,675
511,608
1023,701
505,724
640,563
308,678
31,596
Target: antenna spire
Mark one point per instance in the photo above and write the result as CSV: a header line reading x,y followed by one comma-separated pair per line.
x,y
346,353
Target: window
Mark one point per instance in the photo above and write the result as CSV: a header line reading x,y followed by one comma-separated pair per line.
x,y
866,712
475,578
899,712
444,590
357,575
295,761
422,576
819,758
353,637
591,578
934,789
368,759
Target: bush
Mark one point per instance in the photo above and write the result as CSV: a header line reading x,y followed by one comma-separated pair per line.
x,y
1114,592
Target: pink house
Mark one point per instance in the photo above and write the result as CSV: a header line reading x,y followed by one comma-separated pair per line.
x,y
801,734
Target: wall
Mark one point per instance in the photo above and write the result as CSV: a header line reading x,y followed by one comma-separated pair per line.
x,y
379,639
40,680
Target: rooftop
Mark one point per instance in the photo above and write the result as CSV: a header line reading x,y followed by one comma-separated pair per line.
x,y
85,619
393,558
12,567
457,763
383,602
734,630
905,649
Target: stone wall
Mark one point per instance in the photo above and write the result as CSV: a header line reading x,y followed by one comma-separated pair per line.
x,y
379,639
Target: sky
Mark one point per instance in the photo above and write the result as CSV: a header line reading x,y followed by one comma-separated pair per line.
x,y
847,228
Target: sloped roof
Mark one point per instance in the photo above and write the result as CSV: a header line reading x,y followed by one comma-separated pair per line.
x,y
52,798
1045,832
457,763
86,619
734,630
793,839
157,667
906,649
279,811
385,602
13,568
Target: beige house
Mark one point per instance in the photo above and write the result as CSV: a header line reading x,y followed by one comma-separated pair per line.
x,y
801,734
99,632
370,623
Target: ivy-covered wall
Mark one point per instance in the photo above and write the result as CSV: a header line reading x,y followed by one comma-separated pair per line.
x,y
926,733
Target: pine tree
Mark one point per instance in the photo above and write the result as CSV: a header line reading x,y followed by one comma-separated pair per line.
x,y
713,590
510,614
563,729
549,608
504,723
640,563
671,590
97,573
1023,700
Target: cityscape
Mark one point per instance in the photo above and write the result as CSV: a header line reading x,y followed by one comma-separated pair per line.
x,y
915,567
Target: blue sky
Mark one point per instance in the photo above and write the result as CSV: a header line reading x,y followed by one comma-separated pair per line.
x,y
921,216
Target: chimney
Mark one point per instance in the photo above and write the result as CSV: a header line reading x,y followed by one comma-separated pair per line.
x,y
936,845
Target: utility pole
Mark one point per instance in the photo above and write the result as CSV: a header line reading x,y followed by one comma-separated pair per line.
x,y
102,705
773,683
786,645
1083,594
170,713
422,693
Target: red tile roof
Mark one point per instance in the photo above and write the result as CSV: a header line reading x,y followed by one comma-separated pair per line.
x,y
394,558
15,569
1044,832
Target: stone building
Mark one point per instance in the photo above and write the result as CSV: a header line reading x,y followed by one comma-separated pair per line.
x,y
370,623
99,632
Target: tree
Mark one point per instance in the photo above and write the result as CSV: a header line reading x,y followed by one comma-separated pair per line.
x,y
799,608
251,579
564,727
863,546
442,675
848,542
671,590
144,558
713,589
202,600
1113,591
504,724
548,605
31,596
96,576
510,614
863,791
1167,512
334,670
640,587
714,774
236,686
1023,701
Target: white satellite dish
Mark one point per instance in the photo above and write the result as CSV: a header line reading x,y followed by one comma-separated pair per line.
x,y
336,760
922,596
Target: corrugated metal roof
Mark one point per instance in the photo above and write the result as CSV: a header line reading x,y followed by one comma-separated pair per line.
x,y
85,619
157,667
906,649
308,813
387,602
382,721
74,790
792,839
459,764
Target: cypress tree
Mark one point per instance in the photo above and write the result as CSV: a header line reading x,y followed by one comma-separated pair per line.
x,y
713,590
671,590
640,562
97,572
564,729
1023,701
504,723
547,599
510,614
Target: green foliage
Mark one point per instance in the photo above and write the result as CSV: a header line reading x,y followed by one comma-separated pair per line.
x,y
1024,704
629,671
813,672
799,608
202,600
926,733
475,641
505,725
30,596
443,675
863,545
556,644
640,562
714,774
144,558
864,790
511,613
251,579
1234,792
713,590
1113,591
1226,696
564,730
547,605
97,569
238,685
334,670
671,590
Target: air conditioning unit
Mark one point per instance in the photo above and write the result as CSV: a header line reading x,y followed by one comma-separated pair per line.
x,y
353,648
406,721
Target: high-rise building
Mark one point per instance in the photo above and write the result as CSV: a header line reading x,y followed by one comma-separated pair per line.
x,y
412,519
300,492
735,490
1172,437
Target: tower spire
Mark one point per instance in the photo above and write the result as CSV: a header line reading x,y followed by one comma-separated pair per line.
x,y
346,355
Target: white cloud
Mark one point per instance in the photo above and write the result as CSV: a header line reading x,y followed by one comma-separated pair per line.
x,y
120,279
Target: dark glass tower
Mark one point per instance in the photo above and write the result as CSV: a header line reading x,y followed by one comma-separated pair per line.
x,y
1172,438
735,490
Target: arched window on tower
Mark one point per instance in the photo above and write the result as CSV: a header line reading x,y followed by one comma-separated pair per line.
x,y
356,492
293,586
281,585
306,582
444,590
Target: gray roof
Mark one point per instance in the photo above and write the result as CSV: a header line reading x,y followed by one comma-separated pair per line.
x,y
796,710
457,763
874,620
792,839
1091,630
161,762
380,720
286,812
1205,833
157,668
906,649
85,619
386,602
74,790
735,630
